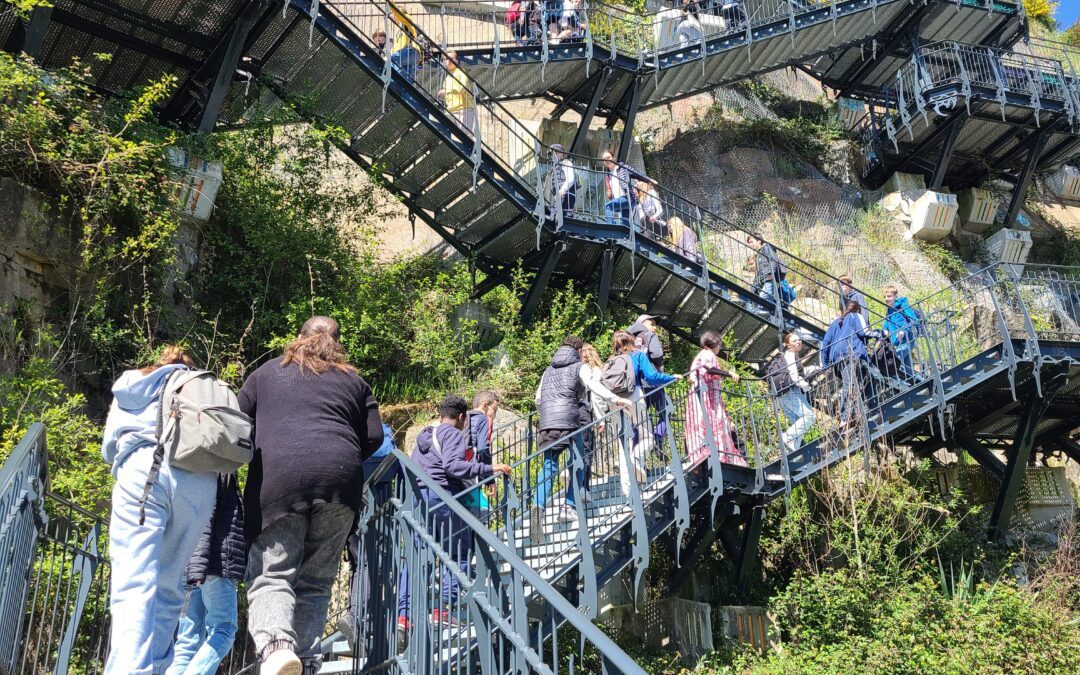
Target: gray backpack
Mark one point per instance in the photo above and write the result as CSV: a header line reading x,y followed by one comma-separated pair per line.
x,y
618,375
201,428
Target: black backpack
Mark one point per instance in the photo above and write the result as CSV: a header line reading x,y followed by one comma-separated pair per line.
x,y
777,375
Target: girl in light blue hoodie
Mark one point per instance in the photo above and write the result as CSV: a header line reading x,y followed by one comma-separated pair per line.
x,y
149,558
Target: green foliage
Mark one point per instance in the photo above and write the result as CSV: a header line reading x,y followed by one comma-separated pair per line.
x,y
24,7
1072,34
806,137
1041,12
33,393
950,264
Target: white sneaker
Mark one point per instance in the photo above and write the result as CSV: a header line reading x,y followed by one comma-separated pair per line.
x,y
282,662
567,514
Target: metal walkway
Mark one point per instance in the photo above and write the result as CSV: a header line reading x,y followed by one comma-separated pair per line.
x,y
852,45
996,364
963,114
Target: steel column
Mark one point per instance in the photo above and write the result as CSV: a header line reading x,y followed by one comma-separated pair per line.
x,y
590,111
607,267
748,551
226,68
571,99
1023,443
543,278
36,31
631,115
938,177
1024,180
900,29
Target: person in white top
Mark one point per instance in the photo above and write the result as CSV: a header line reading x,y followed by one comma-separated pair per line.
x,y
564,180
793,401
689,30
598,402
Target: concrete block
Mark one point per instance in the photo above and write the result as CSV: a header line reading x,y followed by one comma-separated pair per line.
x,y
1065,182
199,182
977,209
932,216
904,182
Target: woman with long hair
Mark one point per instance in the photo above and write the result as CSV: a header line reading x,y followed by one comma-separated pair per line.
x,y
624,346
792,400
705,409
599,401
684,239
844,342
316,421
151,535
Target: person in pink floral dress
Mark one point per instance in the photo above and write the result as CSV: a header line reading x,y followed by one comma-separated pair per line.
x,y
707,385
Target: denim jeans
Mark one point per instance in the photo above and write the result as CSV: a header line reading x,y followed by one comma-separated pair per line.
x,y
545,483
207,628
149,561
799,414
405,60
454,538
291,568
903,359
620,204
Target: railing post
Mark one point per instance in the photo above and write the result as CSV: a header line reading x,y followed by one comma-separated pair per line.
x,y
85,563
784,468
1009,353
495,55
716,471
682,496
388,63
589,603
1032,351
640,551
477,150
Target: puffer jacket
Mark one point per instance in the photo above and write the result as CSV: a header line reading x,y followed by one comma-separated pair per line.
x,y
561,391
222,549
901,321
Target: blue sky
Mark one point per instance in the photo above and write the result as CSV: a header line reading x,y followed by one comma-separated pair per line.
x,y
1067,13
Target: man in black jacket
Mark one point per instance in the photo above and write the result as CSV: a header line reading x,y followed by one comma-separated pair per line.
x,y
207,629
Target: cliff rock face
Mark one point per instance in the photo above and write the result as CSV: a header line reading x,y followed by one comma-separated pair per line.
x,y
37,250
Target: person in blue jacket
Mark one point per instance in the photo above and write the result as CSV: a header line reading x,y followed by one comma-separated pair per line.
x,y
846,340
902,323
624,345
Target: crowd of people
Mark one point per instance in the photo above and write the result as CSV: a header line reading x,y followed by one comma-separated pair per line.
x,y
183,537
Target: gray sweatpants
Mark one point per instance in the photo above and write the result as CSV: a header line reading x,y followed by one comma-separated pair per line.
x,y
291,569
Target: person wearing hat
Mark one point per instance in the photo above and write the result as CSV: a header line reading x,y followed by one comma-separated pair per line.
x,y
849,294
644,331
564,181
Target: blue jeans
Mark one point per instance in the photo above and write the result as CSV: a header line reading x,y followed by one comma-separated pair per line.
x,y
550,469
455,538
207,628
405,60
620,204
149,561
903,359
799,414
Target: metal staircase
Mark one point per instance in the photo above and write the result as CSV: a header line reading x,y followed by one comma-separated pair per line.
x,y
487,188
996,362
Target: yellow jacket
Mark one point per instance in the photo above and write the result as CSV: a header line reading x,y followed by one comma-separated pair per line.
x,y
457,91
406,35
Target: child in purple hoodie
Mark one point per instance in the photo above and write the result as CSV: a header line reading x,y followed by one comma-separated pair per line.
x,y
440,452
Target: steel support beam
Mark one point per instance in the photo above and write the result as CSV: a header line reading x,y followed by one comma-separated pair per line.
x,y
567,103
1037,137
631,115
1024,179
749,541
590,112
543,278
607,268
942,167
36,31
227,58
1023,443
981,454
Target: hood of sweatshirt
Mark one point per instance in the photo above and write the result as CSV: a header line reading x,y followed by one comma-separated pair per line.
x,y
564,356
133,417
637,329
424,445
134,390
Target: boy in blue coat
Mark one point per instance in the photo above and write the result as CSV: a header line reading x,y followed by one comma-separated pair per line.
x,y
903,326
